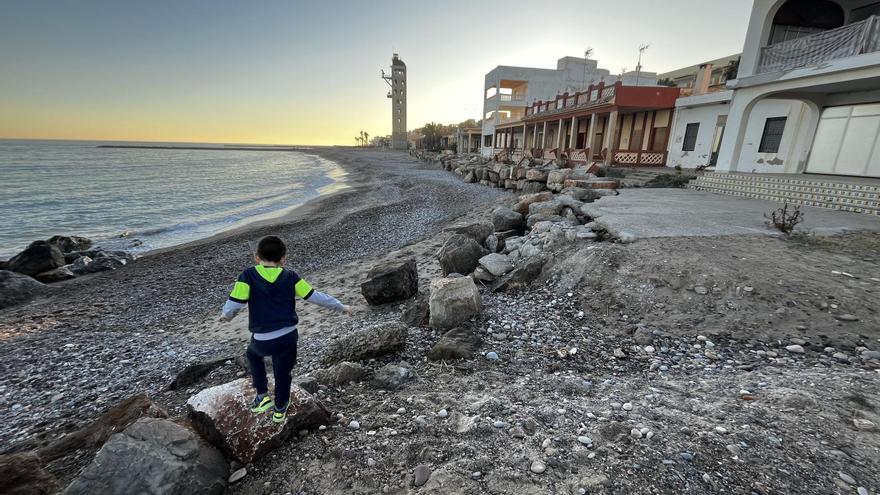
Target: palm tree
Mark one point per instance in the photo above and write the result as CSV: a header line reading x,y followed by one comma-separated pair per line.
x,y
366,139
362,138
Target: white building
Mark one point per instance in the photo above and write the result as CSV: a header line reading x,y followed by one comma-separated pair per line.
x,y
807,95
509,90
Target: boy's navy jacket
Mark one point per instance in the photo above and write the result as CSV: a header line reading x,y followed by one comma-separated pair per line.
x,y
270,293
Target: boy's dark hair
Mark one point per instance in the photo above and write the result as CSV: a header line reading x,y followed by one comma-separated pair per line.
x,y
271,248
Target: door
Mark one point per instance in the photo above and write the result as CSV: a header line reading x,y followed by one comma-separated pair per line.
x,y
716,139
846,142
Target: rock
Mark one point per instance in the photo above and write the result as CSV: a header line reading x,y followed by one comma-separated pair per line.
x,y
222,415
416,312
506,219
868,355
627,406
460,254
496,264
340,374
307,383
585,440
56,275
458,343
391,281
840,357
847,317
80,266
846,478
370,342
105,261
795,349
38,257
93,435
477,231
525,272
391,376
492,356
153,456
453,301
701,290
421,475
69,244
16,288
23,474
863,424
442,413
545,208
537,467
522,206
482,275
354,425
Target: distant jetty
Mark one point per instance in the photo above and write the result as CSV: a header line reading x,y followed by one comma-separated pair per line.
x,y
209,148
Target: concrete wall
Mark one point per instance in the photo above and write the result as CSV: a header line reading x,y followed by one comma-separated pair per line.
x,y
707,117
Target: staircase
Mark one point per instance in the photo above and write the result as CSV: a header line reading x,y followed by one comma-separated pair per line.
x,y
640,177
823,191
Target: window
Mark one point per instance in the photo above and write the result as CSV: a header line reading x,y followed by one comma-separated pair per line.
x,y
690,137
487,140
772,136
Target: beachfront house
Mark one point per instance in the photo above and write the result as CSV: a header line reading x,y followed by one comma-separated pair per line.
x,y
624,123
508,91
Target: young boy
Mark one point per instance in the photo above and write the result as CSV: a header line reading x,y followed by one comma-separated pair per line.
x,y
269,289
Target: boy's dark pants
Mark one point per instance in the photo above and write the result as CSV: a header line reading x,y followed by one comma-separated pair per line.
x,y
283,352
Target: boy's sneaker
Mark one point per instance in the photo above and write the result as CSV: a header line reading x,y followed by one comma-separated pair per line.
x,y
261,404
278,416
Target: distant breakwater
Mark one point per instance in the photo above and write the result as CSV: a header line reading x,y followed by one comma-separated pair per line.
x,y
203,148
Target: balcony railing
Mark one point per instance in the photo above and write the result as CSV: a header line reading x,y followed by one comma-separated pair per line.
x,y
847,41
512,98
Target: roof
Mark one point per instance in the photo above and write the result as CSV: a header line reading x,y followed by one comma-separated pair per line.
x,y
692,70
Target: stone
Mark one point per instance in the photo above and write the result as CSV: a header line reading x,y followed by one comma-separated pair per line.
x,y
238,475
391,376
492,356
80,266
627,406
482,275
307,383
545,208
69,244
460,254
421,475
524,273
222,415
496,264
153,456
416,312
23,474
522,206
104,262
56,275
366,343
795,349
840,357
195,372
16,288
453,301
701,290
477,231
354,425
38,257
863,424
391,281
585,440
458,343
537,467
846,478
442,413
847,317
504,219
868,355
340,374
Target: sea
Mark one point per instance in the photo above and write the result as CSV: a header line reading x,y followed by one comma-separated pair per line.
x,y
143,199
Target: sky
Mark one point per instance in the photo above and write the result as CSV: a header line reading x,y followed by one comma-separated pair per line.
x,y
291,72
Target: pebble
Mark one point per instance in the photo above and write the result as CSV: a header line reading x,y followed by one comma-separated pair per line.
x,y
421,475
627,406
847,317
585,440
476,475
721,430
687,456
241,473
401,410
649,349
846,478
371,462
545,443
862,491
442,413
841,357
498,423
635,433
795,349
354,425
492,356
538,467
701,290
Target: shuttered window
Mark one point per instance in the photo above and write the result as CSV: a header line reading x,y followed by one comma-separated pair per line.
x,y
690,137
772,136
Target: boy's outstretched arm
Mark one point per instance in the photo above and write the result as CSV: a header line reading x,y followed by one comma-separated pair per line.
x,y
307,293
238,299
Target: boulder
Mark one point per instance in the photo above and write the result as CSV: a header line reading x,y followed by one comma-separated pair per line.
x,y
195,372
16,288
37,258
80,265
392,376
153,456
56,275
391,281
69,244
367,343
106,261
582,194
536,174
482,275
546,208
23,474
496,264
416,312
527,199
458,343
477,231
525,273
453,301
460,254
340,374
222,415
506,219
533,187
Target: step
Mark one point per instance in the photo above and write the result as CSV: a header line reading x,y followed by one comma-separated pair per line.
x,y
802,192
855,190
870,186
830,202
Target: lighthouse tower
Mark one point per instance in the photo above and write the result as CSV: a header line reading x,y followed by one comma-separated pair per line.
x,y
397,81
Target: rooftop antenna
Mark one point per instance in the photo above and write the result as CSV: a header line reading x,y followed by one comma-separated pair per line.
x,y
642,49
587,53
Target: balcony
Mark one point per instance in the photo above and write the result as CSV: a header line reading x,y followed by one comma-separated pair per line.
x,y
847,41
